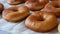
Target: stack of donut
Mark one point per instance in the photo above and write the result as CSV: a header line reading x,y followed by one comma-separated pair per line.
x,y
43,18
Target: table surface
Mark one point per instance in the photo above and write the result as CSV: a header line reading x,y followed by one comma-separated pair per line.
x,y
4,32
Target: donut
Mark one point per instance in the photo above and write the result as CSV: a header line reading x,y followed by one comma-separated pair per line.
x,y
14,2
15,14
59,28
41,21
1,7
53,7
35,4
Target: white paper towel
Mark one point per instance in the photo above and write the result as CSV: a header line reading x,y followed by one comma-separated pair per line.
x,y
18,28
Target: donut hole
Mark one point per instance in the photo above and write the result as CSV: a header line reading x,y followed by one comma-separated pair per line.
x,y
37,18
57,6
40,18
32,0
15,10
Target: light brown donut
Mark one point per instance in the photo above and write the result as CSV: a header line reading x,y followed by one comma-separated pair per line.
x,y
53,7
14,2
15,14
41,21
35,4
1,7
59,28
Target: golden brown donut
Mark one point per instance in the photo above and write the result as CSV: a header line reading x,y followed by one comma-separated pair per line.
x,y
53,7
35,4
14,14
14,2
59,28
41,21
1,7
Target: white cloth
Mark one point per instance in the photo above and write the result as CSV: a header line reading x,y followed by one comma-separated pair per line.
x,y
18,28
